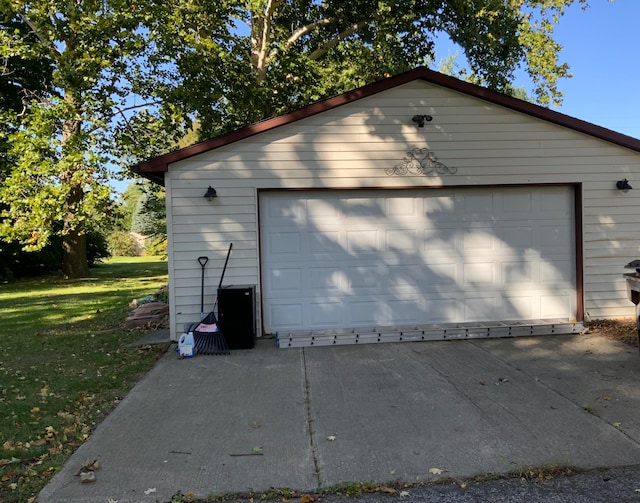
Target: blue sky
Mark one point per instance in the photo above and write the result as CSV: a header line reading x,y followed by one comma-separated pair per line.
x,y
601,46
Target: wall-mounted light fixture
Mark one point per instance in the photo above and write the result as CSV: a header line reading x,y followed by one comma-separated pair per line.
x,y
420,119
623,185
210,194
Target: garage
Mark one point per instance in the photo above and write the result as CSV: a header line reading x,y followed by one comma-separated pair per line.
x,y
356,222
400,258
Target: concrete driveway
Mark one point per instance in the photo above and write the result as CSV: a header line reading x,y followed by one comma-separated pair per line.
x,y
312,418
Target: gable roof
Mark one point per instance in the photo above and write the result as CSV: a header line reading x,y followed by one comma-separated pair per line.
x,y
155,168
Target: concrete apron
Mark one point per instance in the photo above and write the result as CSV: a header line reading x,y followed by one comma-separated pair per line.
x,y
310,418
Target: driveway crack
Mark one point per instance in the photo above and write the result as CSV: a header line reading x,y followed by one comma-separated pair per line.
x,y
311,432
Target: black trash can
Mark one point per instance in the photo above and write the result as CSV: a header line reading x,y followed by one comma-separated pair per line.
x,y
237,315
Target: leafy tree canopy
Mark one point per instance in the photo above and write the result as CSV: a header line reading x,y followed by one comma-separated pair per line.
x,y
130,77
272,56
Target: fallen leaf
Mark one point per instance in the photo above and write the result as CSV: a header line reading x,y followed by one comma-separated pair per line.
x,y
11,461
307,498
435,471
607,398
404,494
87,477
255,425
88,467
256,450
617,425
150,490
331,438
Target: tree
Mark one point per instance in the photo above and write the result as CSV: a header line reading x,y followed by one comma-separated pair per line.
x,y
63,144
130,78
149,217
273,56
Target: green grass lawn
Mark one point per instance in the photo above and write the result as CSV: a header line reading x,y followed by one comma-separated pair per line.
x,y
65,363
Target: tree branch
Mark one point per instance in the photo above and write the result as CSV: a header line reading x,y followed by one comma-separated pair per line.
x,y
121,112
330,44
260,41
306,29
36,32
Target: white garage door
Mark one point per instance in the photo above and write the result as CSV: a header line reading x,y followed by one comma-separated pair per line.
x,y
342,259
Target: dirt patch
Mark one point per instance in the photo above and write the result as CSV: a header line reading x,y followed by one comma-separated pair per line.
x,y
621,330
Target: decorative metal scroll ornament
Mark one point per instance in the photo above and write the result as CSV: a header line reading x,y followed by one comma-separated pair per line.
x,y
420,161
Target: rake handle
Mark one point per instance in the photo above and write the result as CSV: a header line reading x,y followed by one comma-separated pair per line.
x,y
203,262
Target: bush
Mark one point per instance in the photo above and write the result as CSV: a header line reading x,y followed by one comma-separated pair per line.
x,y
158,247
123,244
17,263
97,248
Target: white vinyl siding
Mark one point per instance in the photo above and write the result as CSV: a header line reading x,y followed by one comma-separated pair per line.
x,y
351,146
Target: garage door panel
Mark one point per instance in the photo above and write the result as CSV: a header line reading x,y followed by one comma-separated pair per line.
x,y
443,310
556,306
289,280
327,314
363,278
517,307
479,273
401,240
555,273
363,241
515,236
516,204
286,315
327,279
518,273
401,207
339,259
481,308
325,242
285,243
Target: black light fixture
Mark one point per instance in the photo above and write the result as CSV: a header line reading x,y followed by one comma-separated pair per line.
x,y
420,119
210,194
623,185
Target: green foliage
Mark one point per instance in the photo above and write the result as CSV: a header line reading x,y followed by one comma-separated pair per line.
x,y
66,363
149,218
129,203
300,51
63,143
97,248
158,247
122,244
24,76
